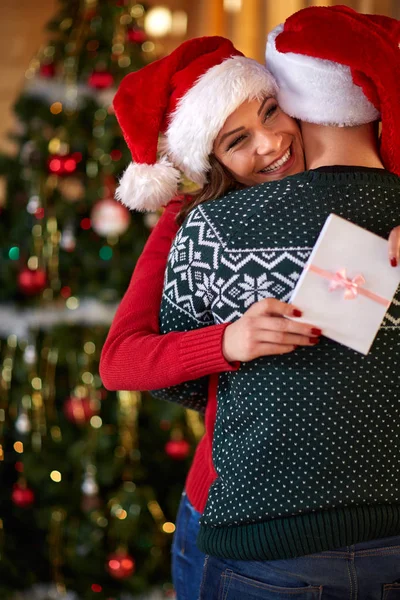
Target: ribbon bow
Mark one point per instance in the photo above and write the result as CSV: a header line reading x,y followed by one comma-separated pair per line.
x,y
351,286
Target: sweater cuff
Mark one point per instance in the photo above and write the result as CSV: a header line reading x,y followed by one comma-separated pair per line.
x,y
200,352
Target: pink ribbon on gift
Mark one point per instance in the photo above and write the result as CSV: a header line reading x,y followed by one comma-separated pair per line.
x,y
351,287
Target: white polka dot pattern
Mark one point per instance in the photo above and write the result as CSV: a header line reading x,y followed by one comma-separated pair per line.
x,y
316,429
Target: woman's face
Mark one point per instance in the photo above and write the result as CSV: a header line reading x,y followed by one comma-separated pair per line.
x,y
260,143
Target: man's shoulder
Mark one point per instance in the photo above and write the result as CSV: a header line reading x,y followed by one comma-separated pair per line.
x,y
228,213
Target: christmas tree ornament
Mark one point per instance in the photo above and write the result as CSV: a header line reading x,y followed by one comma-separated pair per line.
x,y
120,565
80,410
101,80
109,217
47,70
137,36
32,282
22,496
63,165
71,188
177,449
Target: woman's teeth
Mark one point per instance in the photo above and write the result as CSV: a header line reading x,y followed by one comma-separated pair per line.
x,y
277,164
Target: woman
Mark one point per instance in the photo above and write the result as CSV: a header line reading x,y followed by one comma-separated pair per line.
x,y
164,349
134,347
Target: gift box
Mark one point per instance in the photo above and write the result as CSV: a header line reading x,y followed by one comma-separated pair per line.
x,y
347,284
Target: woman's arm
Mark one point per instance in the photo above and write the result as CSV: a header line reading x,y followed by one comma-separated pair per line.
x,y
135,356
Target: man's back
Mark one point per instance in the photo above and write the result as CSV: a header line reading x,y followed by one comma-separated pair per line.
x,y
306,445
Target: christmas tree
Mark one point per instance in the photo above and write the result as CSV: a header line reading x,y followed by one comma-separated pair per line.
x,y
91,479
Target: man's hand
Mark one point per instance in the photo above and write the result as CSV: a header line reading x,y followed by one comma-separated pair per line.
x,y
263,330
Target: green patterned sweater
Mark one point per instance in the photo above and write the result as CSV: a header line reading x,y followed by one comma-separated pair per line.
x,y
306,445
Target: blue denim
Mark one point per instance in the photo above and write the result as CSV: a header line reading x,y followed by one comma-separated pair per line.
x,y
366,571
187,560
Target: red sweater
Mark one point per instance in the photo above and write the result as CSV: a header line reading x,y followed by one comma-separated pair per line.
x,y
136,357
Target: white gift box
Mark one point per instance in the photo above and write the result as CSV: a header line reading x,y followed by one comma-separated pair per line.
x,y
347,285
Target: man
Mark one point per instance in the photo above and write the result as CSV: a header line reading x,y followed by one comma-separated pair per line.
x,y
306,445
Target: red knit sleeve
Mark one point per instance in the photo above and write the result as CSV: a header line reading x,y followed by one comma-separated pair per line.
x,y
135,356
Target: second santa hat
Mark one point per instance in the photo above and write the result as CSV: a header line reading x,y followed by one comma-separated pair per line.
x,y
335,66
187,96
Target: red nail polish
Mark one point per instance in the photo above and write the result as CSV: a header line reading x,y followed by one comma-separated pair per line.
x,y
314,340
393,262
316,331
297,313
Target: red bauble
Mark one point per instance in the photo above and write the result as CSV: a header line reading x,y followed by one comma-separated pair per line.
x,y
177,449
64,165
48,70
32,282
79,410
138,36
109,217
101,80
120,565
22,496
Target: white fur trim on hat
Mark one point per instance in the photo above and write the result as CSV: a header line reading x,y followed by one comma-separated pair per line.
x,y
148,187
316,90
202,111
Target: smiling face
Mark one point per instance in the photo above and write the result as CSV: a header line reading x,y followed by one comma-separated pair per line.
x,y
260,143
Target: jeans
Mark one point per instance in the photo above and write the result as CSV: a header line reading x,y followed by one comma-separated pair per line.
x,y
366,571
187,560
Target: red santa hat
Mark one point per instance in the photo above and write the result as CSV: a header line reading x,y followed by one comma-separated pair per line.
x,y
335,66
187,96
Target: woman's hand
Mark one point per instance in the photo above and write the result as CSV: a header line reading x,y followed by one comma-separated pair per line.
x,y
394,246
263,331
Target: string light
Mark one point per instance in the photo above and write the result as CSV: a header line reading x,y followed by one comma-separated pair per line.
x,y
56,108
13,253
96,422
148,46
168,527
19,447
89,348
55,476
233,6
137,11
158,21
72,303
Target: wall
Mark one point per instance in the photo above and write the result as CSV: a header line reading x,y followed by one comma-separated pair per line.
x,y
247,28
21,34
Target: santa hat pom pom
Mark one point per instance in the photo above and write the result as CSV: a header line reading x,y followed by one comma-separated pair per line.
x,y
146,187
